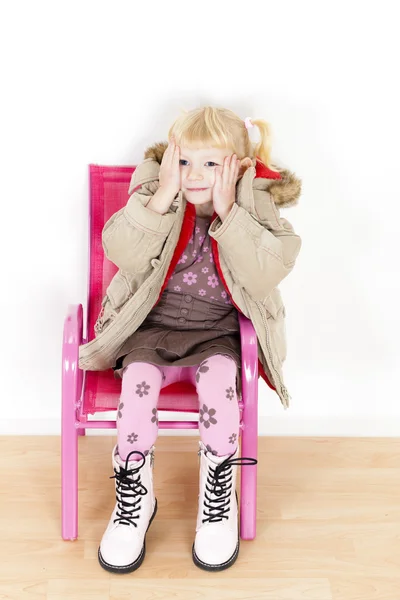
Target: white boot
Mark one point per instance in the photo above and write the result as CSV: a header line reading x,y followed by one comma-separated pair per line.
x,y
216,545
123,545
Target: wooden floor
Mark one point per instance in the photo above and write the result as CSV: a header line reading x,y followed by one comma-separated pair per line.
x,y
328,524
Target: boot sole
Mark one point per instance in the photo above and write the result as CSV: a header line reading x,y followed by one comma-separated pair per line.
x,y
220,567
136,564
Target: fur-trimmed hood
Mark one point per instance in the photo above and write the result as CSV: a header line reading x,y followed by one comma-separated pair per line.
x,y
284,187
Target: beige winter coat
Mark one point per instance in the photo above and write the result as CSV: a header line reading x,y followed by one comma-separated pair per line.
x,y
254,249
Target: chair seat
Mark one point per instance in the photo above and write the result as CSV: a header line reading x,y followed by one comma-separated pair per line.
x,y
102,392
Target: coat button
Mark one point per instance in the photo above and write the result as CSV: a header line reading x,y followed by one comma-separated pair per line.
x,y
182,320
188,298
184,311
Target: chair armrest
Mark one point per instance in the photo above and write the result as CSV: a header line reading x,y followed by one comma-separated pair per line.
x,y
249,346
72,375
73,324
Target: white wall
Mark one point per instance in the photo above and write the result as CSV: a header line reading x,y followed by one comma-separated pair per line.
x,y
96,82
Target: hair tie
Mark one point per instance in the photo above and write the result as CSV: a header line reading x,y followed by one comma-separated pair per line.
x,y
248,123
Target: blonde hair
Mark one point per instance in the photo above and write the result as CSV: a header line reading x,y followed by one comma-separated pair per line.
x,y
222,128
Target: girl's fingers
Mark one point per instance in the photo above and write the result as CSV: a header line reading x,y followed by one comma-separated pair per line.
x,y
176,157
168,152
237,169
231,167
174,151
234,169
171,146
225,178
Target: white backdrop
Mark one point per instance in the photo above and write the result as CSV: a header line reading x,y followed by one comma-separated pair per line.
x,y
96,82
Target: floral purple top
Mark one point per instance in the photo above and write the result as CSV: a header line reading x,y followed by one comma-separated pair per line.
x,y
195,271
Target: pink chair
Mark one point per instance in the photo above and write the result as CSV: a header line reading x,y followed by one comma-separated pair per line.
x,y
86,393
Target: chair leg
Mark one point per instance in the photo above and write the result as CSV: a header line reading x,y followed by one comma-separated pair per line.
x,y
69,470
249,448
72,378
82,418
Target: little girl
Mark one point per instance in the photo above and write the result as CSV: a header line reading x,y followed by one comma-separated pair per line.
x,y
199,240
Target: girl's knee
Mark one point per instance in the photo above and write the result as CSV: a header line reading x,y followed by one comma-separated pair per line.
x,y
139,372
219,361
219,365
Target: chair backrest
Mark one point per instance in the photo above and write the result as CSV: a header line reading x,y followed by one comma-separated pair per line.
x,y
108,192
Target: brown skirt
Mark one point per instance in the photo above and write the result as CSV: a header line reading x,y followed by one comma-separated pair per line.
x,y
178,348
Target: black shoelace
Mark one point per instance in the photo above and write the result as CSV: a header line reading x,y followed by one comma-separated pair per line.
x,y
129,488
220,480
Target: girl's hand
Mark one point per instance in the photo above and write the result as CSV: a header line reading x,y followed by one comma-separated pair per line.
x,y
224,190
170,175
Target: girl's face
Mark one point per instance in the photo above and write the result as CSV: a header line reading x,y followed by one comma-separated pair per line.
x,y
197,167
